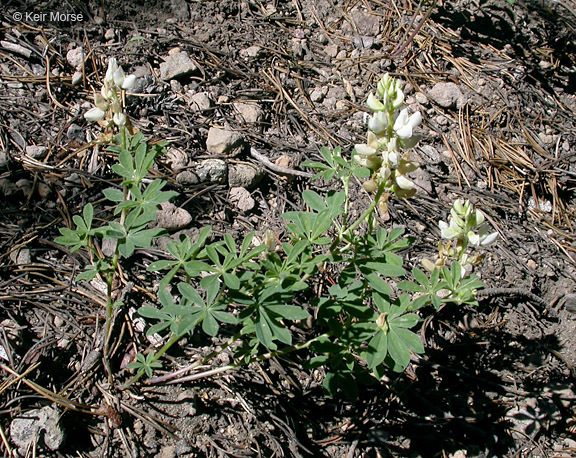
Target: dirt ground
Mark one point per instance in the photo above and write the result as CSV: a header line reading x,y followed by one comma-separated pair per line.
x,y
292,76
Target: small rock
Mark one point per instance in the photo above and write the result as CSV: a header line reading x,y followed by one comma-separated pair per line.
x,y
570,302
447,95
36,151
221,141
109,35
284,161
331,50
25,186
363,42
201,101
366,23
431,154
250,112
341,105
317,96
423,181
175,86
7,187
26,429
75,132
243,175
251,52
180,9
168,451
421,98
212,170
177,66
4,159
76,78
531,264
242,199
43,190
171,217
176,159
187,178
75,57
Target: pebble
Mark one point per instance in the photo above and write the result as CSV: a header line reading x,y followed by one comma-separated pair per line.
x,y
36,151
176,159
212,170
251,112
177,65
201,101
241,198
76,78
26,428
243,175
251,52
447,95
109,35
171,217
222,141
75,57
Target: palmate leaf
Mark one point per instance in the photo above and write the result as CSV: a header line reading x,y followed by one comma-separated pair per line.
x,y
79,237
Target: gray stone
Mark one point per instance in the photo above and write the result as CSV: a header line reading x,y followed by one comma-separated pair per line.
x,y
317,95
75,132
242,199
36,151
26,428
4,159
109,34
171,217
176,159
201,101
212,170
75,57
243,175
180,9
366,23
251,52
187,178
447,95
331,50
176,66
250,112
76,78
221,141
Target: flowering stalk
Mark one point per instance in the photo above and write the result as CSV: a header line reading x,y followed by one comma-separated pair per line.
x,y
465,227
390,135
108,111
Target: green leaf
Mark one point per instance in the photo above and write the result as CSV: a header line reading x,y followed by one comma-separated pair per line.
x,y
114,195
290,312
377,350
313,200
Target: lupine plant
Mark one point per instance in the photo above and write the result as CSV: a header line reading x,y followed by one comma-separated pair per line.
x,y
135,202
323,290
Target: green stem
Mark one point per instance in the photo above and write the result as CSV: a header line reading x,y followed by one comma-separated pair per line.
x,y
364,217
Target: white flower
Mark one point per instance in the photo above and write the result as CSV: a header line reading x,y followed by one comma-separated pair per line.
x,y
405,124
374,104
378,123
129,82
449,231
404,183
482,238
119,119
112,67
364,150
95,114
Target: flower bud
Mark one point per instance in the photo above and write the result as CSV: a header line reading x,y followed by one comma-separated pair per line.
x,y
370,186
